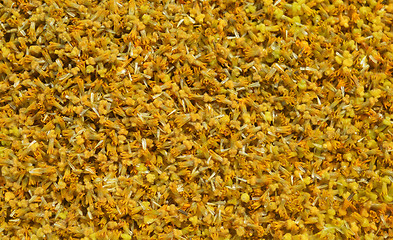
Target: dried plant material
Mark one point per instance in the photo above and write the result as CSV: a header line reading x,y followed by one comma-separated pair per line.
x,y
196,119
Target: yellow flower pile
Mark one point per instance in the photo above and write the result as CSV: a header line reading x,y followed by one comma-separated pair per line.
x,y
178,119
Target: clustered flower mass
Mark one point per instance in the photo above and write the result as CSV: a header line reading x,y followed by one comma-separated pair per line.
x,y
220,119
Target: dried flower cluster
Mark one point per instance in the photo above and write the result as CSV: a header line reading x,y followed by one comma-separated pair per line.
x,y
220,119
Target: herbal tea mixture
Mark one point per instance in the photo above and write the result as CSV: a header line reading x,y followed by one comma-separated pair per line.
x,y
220,119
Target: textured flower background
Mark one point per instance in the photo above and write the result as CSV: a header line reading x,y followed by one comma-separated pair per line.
x,y
224,119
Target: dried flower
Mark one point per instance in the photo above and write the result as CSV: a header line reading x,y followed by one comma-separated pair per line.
x,y
193,120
